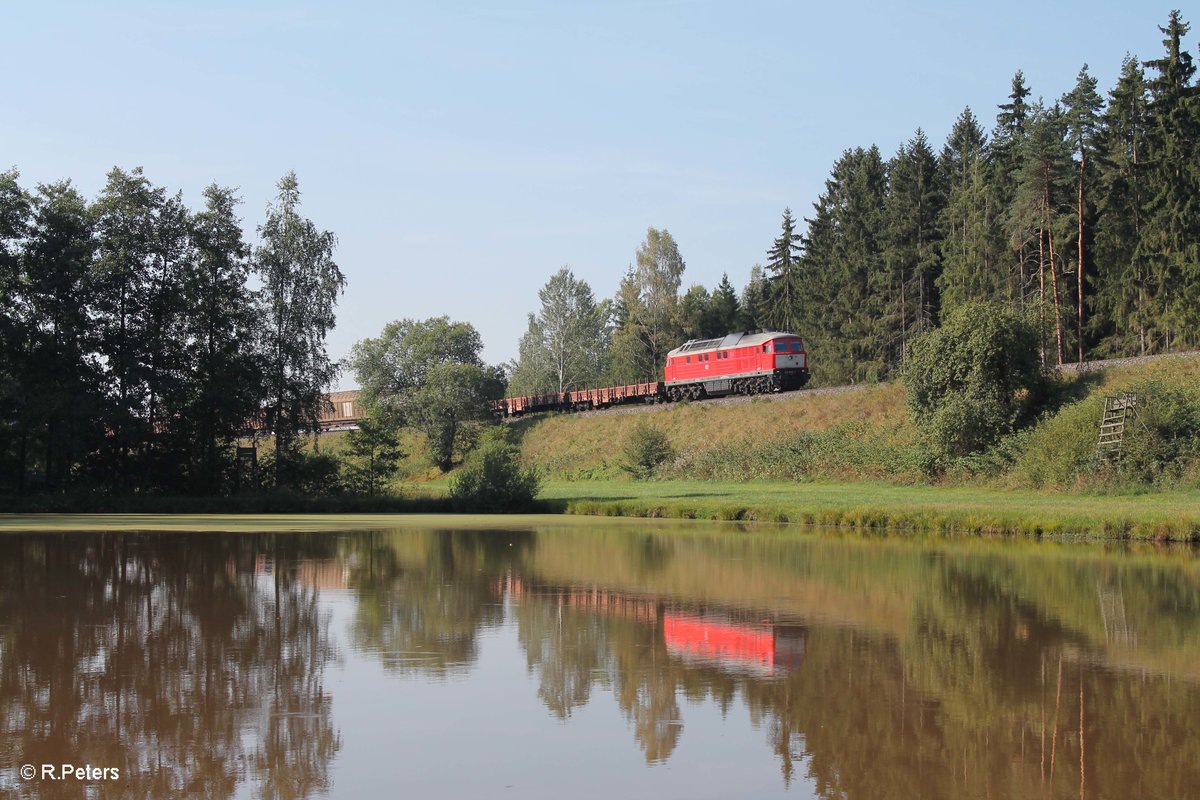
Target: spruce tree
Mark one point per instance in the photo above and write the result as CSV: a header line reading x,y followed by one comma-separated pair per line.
x,y
224,386
1082,106
913,203
15,213
1004,154
783,278
1125,292
969,225
61,372
1171,239
722,314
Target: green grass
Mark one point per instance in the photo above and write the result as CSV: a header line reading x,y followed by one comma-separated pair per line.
x,y
953,509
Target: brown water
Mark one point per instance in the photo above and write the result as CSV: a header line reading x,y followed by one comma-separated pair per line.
x,y
596,662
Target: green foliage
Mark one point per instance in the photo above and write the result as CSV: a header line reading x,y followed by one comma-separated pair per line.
x,y
974,379
300,287
649,322
429,375
1163,439
492,479
306,472
567,342
373,454
646,449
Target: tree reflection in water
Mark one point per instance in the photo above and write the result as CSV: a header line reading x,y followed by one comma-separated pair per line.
x,y
168,657
924,671
869,668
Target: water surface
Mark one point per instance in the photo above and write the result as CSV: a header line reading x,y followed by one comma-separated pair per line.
x,y
596,661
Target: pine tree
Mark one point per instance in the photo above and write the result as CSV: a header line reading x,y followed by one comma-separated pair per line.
x,y
1171,239
1004,154
1039,212
15,214
1082,106
1125,294
752,307
60,371
783,298
845,265
913,204
972,268
721,316
224,385
142,255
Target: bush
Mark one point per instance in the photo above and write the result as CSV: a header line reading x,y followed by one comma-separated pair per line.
x,y
1164,437
493,480
302,471
974,379
647,448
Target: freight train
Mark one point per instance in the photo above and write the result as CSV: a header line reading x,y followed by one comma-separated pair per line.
x,y
746,363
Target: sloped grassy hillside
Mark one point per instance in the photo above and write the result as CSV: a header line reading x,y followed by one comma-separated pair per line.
x,y
866,433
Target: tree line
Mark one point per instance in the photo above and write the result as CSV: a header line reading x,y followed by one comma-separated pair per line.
x,y
1079,212
140,338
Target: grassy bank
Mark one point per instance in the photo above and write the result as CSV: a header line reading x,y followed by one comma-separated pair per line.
x,y
867,434
1163,516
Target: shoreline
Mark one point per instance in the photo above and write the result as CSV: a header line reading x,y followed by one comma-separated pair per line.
x,y
1166,516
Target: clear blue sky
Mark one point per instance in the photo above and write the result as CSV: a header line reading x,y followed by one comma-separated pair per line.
x,y
463,152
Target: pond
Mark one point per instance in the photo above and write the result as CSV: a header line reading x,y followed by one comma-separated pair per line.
x,y
549,659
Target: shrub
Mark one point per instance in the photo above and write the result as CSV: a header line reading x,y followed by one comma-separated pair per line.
x,y
647,448
1164,436
974,379
493,480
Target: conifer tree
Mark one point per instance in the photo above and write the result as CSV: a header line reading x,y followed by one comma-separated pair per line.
x,y
1171,239
1125,293
142,256
1082,106
722,313
224,386
783,278
15,213
969,224
752,311
913,203
1040,208
60,372
1004,154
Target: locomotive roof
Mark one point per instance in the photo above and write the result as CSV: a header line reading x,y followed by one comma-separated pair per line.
x,y
741,339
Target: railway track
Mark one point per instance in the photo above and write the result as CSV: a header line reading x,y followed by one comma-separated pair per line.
x,y
801,394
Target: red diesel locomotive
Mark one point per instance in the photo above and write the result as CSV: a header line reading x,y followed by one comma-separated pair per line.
x,y
752,362
755,362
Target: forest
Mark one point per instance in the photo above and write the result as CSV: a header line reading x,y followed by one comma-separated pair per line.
x,y
140,340
1079,211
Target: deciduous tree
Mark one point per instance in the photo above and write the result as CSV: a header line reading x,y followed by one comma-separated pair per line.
x,y
300,286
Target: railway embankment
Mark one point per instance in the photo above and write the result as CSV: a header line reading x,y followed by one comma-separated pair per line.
x,y
781,457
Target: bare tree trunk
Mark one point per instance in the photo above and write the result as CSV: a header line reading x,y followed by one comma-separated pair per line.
x,y
1058,332
1042,293
1079,272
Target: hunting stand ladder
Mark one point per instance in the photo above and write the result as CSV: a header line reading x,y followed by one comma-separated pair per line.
x,y
1118,411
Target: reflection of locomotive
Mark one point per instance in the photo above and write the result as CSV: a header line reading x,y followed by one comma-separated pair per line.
x,y
753,362
758,649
